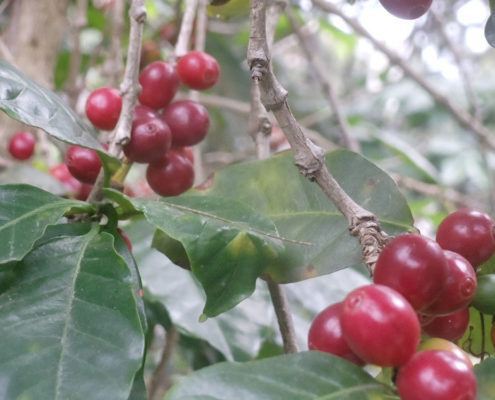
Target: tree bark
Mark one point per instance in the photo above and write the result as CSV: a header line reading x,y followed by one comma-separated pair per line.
x,y
33,38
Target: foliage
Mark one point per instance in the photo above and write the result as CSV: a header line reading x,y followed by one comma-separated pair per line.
x,y
81,316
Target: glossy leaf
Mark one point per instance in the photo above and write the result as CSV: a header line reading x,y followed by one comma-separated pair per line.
x,y
27,101
238,333
303,376
301,211
25,213
69,323
485,371
228,244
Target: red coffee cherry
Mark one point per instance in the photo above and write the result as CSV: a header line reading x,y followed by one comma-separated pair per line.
x,y
460,286
62,173
159,82
380,326
450,327
21,145
84,164
406,9
84,192
415,266
198,70
325,334
436,375
189,122
186,152
143,112
171,176
103,108
150,140
469,233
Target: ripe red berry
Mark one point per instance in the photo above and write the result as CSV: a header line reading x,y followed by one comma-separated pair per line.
x,y
186,152
460,286
159,82
103,108
143,112
450,327
436,375
198,70
150,140
415,266
84,192
325,334
62,173
406,9
171,176
469,233
380,326
21,145
189,122
84,164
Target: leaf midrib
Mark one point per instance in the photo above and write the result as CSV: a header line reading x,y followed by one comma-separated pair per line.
x,y
63,340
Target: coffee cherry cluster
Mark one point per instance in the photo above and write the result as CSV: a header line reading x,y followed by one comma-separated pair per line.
x,y
418,284
162,129
406,9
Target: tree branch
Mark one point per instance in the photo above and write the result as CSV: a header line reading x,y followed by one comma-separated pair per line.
x,y
186,28
308,157
325,84
160,381
80,21
129,90
464,118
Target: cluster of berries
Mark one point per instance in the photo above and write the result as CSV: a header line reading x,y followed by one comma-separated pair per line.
x,y
162,130
418,283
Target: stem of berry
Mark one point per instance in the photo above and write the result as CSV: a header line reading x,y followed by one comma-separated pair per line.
x,y
309,158
129,90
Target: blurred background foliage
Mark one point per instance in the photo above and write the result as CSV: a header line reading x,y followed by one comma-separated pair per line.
x,y
439,164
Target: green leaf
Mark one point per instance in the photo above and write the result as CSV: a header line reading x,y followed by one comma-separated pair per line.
x,y
303,376
25,213
485,371
69,324
228,244
476,339
27,101
301,211
238,333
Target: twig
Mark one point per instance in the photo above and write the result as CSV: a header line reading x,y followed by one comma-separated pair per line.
x,y
114,64
260,127
201,26
461,66
129,90
284,318
323,82
463,117
160,380
186,28
437,192
308,157
78,24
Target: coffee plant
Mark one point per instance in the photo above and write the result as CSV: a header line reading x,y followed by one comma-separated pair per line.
x,y
261,200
